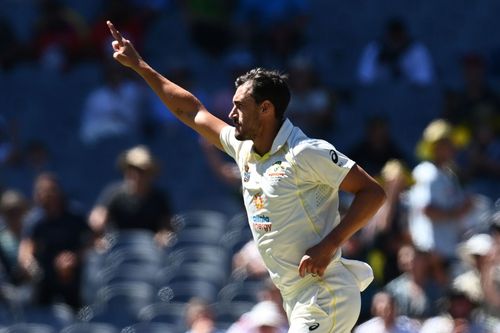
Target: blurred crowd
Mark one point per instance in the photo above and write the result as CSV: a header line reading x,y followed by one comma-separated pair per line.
x,y
113,213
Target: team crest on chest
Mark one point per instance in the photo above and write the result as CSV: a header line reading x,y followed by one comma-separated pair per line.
x,y
277,171
258,201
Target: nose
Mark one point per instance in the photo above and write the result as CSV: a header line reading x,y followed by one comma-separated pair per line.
x,y
232,113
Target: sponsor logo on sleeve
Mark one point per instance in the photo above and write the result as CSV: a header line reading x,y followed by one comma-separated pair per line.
x,y
246,173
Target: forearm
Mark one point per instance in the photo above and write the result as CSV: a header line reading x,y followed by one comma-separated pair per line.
x,y
181,102
365,204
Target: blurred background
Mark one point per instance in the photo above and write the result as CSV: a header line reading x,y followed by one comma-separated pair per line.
x,y
114,215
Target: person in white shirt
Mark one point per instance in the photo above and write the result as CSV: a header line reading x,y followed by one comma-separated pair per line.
x,y
394,57
386,318
290,189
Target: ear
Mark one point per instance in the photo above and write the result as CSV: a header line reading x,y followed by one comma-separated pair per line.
x,y
267,107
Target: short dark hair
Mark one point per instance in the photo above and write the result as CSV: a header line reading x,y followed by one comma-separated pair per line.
x,y
268,85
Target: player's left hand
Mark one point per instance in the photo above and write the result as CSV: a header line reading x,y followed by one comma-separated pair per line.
x,y
315,260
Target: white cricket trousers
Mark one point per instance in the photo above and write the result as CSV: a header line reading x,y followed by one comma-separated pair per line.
x,y
330,304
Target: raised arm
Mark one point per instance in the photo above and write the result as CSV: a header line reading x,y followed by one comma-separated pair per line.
x,y
181,102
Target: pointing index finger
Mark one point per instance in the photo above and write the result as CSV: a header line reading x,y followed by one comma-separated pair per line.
x,y
116,34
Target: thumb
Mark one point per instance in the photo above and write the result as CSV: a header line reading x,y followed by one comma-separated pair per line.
x,y
303,266
120,57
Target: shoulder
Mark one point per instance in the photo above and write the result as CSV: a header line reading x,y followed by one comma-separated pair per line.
x,y
317,151
425,172
369,326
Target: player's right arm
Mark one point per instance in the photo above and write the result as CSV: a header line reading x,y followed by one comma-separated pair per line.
x,y
184,105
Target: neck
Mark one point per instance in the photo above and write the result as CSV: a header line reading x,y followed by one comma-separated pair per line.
x,y
263,142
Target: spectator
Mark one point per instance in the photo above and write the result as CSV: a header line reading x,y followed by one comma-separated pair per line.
x,y
376,147
386,318
273,28
476,103
310,106
387,230
54,239
61,35
113,109
438,204
396,57
482,161
481,277
200,317
135,202
13,207
132,21
458,314
209,24
248,262
263,318
415,291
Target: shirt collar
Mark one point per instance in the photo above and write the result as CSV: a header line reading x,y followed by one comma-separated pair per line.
x,y
282,136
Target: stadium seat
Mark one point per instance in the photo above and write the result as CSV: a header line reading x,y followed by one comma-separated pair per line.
x,y
150,328
28,328
201,219
183,291
119,303
56,316
90,328
207,272
170,313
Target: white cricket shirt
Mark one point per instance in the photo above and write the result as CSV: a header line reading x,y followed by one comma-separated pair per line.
x,y
291,196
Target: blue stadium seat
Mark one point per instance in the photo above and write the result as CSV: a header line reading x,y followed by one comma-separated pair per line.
x,y
28,328
150,328
90,328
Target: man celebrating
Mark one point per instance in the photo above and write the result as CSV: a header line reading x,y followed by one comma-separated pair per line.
x,y
290,188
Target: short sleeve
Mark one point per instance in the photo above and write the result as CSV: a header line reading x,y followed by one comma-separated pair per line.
x,y
229,142
319,162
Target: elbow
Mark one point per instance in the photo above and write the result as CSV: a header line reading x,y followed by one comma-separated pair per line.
x,y
379,195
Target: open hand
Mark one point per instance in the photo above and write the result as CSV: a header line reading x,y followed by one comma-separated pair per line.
x,y
125,52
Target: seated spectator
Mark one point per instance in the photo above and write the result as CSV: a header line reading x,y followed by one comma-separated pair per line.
x,y
135,202
376,147
209,24
113,109
273,28
13,207
396,57
310,106
61,35
248,262
387,231
386,319
438,205
481,276
53,244
482,161
200,317
415,291
263,318
458,315
131,21
476,103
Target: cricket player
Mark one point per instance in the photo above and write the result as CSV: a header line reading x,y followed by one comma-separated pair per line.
x,y
290,189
